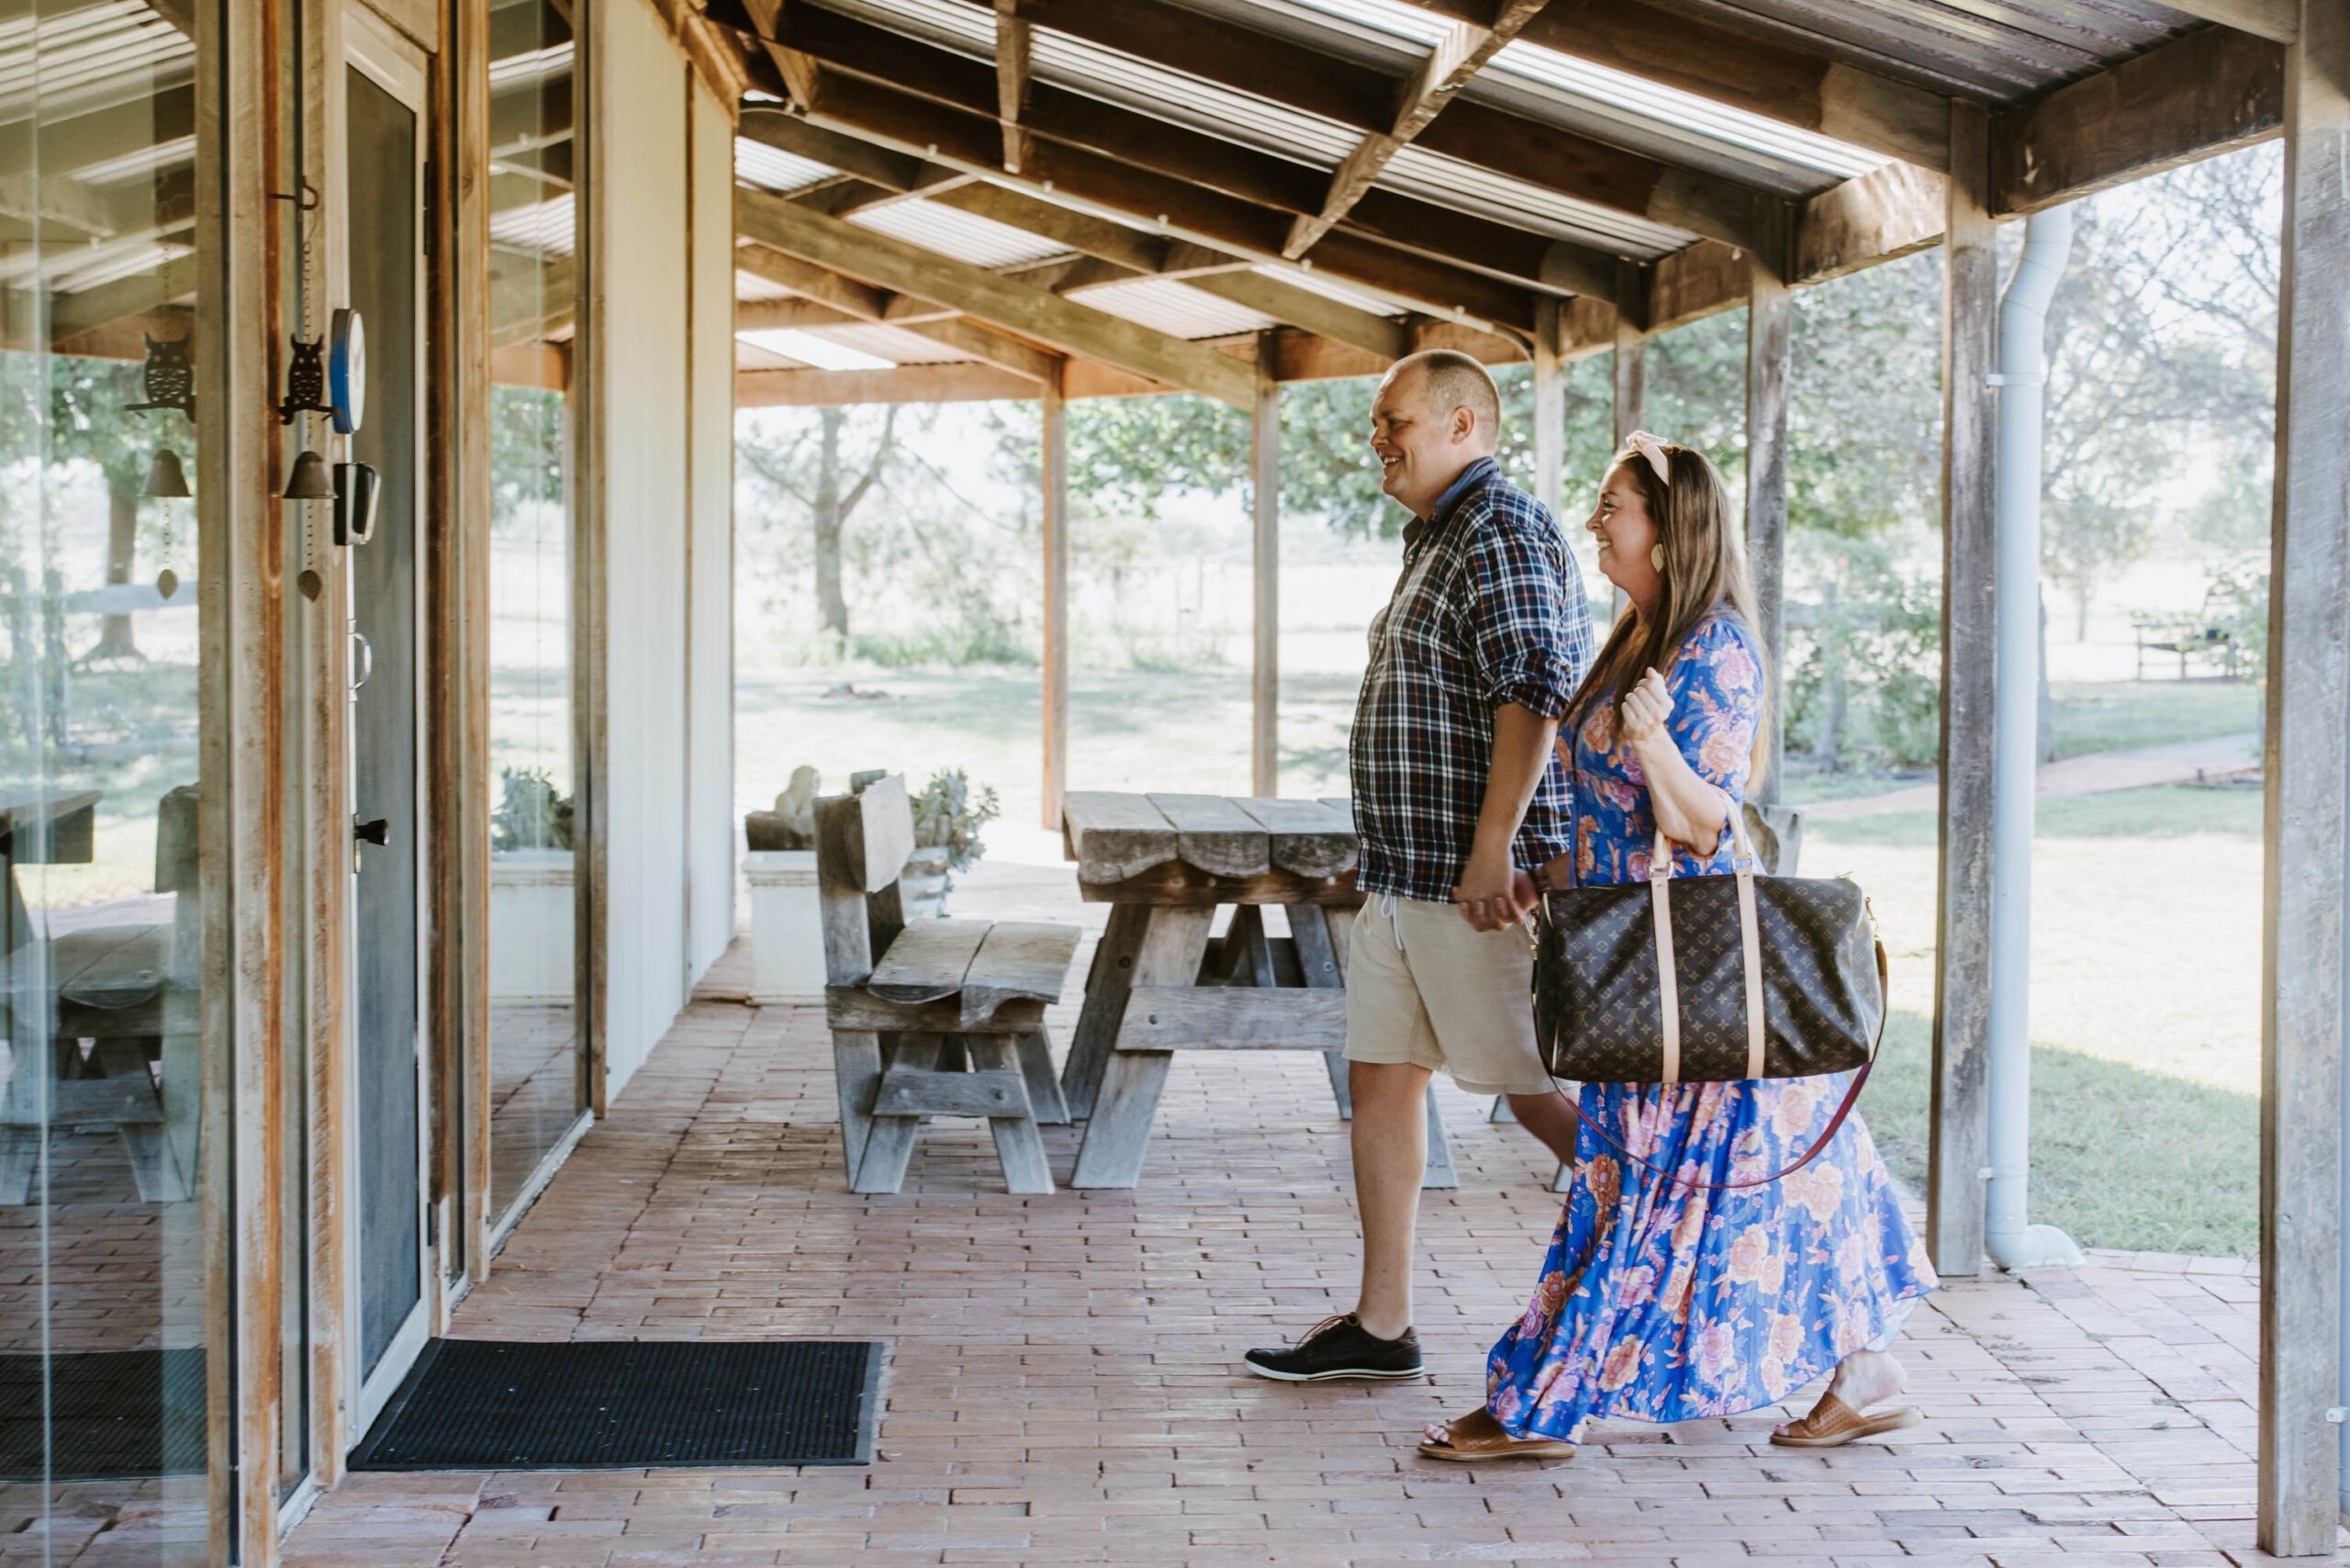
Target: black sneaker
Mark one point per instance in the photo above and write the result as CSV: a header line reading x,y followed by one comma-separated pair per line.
x,y
1339,1347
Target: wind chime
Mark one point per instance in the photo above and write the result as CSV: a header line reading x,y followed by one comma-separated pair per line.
x,y
169,378
327,375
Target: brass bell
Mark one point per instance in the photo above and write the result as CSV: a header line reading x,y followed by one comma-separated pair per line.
x,y
165,476
309,481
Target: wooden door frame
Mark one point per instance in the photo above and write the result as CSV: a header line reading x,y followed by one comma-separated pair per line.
x,y
358,39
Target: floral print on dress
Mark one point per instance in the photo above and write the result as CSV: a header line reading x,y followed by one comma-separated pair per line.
x,y
1660,1301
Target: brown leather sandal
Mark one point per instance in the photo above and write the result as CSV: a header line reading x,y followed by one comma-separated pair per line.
x,y
1832,1423
1477,1438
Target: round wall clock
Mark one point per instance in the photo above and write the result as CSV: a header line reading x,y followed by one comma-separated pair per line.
x,y
347,370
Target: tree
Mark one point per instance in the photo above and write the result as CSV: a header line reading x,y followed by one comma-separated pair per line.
x,y
89,423
819,488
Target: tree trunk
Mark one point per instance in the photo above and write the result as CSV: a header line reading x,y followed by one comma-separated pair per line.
x,y
115,640
2082,594
831,604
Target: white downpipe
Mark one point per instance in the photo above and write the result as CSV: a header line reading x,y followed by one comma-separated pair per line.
x,y
2008,1236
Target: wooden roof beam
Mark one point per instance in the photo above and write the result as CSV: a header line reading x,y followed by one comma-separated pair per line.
x,y
1380,335
2198,94
1457,57
2278,22
1178,208
893,263
1012,59
1370,100
891,59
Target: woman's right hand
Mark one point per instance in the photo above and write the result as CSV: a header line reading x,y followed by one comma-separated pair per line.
x,y
1645,709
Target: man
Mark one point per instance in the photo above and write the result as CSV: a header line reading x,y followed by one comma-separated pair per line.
x,y
1455,786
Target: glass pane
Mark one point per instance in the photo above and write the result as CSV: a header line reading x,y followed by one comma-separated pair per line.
x,y
536,1085
102,914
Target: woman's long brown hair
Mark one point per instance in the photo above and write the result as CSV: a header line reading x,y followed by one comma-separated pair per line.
x,y
1704,566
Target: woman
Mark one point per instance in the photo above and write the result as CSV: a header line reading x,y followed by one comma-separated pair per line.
x,y
1663,1300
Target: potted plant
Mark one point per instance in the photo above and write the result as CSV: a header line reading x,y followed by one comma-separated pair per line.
x,y
531,911
948,815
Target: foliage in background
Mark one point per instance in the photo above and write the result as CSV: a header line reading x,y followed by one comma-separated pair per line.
x,y
529,434
530,814
948,815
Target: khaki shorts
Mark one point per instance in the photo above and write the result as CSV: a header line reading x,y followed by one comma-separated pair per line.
x,y
1447,997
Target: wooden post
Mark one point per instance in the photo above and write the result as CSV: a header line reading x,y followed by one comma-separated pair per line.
x,y
1056,649
1770,336
1962,915
1549,404
1630,376
2304,891
1265,506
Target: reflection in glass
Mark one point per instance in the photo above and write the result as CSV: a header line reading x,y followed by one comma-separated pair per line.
x,y
102,1288
536,1088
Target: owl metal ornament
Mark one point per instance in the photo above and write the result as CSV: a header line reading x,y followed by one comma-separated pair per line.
x,y
170,376
306,382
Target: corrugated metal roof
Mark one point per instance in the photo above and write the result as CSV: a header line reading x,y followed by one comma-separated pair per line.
x,y
751,285
1449,182
773,169
1592,100
550,228
1330,288
1170,306
966,237
117,51
896,343
1998,49
749,355
549,65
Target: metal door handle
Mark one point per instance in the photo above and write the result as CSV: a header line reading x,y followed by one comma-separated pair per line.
x,y
366,651
377,831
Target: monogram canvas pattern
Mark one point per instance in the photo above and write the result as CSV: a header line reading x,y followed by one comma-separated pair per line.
x,y
1596,982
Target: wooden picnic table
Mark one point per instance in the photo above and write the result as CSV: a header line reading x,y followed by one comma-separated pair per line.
x,y
1161,982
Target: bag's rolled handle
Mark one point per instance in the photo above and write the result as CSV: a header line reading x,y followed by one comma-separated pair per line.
x,y
1749,942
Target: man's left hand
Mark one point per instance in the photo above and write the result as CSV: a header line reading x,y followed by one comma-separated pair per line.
x,y
1492,893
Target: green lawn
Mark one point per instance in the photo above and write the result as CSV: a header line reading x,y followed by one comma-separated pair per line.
x,y
2122,715
2145,1009
2121,1157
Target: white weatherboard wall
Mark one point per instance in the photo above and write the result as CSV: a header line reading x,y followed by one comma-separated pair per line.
x,y
710,784
638,119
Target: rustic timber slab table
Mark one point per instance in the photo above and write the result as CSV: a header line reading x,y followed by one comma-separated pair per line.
x,y
1161,983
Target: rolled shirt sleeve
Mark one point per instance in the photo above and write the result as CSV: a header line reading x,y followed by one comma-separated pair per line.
x,y
1528,619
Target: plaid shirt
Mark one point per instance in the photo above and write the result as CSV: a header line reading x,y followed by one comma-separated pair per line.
x,y
1490,610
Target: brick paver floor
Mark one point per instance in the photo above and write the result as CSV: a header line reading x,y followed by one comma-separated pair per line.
x,y
1061,1384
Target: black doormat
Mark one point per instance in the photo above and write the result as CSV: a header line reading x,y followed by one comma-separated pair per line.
x,y
102,1416
629,1405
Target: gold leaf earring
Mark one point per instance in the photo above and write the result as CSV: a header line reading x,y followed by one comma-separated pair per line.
x,y
1656,557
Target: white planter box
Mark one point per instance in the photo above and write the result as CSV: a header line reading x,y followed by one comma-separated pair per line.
x,y
787,927
530,926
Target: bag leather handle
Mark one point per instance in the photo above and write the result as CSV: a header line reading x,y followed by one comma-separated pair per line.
x,y
1750,943
1825,1138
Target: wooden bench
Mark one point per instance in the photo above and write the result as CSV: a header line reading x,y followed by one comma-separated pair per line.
x,y
132,989
938,1018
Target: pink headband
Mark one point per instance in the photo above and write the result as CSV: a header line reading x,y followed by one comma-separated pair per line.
x,y
1647,446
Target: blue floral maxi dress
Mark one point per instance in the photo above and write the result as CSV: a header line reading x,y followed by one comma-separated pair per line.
x,y
1662,1301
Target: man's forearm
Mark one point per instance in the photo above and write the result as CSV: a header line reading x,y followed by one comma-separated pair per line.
x,y
1522,740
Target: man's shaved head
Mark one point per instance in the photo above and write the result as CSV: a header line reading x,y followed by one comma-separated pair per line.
x,y
1450,379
